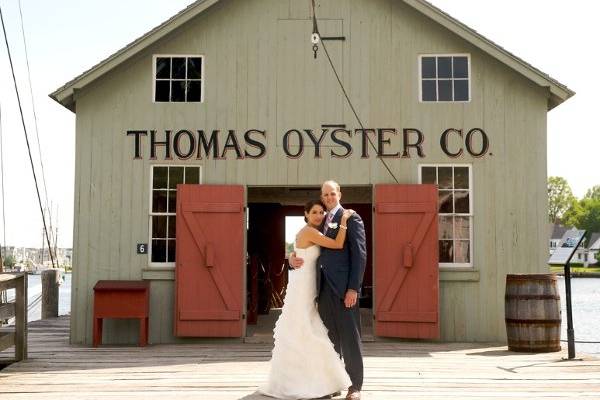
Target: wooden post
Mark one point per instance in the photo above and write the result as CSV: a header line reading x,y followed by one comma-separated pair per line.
x,y
50,283
21,318
17,309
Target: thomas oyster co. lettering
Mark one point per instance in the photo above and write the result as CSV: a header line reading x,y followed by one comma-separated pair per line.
x,y
218,144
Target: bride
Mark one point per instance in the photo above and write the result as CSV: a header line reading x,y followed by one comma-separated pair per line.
x,y
304,364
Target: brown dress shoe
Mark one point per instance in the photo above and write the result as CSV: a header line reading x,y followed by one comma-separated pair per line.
x,y
353,394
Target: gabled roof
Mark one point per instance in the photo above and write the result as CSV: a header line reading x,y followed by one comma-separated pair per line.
x,y
594,243
558,231
65,94
557,91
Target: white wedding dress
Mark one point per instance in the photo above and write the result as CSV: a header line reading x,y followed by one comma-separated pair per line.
x,y
304,364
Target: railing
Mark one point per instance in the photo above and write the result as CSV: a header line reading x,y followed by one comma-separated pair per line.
x,y
15,336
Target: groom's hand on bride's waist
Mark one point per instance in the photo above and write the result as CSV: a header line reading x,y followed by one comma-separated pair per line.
x,y
295,262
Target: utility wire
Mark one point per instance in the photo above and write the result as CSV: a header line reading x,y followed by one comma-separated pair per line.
x,y
316,30
25,132
35,119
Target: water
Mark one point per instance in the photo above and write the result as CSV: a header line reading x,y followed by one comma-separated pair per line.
x,y
585,301
34,291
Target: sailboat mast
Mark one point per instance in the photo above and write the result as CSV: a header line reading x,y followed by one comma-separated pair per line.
x,y
43,240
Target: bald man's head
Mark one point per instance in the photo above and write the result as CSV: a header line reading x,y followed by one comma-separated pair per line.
x,y
331,194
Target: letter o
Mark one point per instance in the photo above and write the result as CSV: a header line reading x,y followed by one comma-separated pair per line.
x,y
177,149
484,146
286,144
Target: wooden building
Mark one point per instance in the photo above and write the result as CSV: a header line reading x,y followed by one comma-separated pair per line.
x,y
228,99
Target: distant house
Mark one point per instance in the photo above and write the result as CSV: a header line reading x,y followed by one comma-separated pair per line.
x,y
594,248
583,255
556,233
587,254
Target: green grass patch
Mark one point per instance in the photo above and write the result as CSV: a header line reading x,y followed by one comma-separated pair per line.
x,y
594,269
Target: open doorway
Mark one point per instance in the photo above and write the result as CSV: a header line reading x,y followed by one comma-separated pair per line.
x,y
275,214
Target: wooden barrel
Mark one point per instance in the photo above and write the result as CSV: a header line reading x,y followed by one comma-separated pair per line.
x,y
532,312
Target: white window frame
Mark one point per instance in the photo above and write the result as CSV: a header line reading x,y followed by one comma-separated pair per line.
x,y
470,214
202,79
151,214
419,68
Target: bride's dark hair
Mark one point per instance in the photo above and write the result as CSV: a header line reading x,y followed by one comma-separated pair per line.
x,y
310,204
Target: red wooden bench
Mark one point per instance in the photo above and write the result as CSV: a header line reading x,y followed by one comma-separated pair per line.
x,y
121,299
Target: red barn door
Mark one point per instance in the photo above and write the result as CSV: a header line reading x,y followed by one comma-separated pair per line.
x,y
406,261
209,261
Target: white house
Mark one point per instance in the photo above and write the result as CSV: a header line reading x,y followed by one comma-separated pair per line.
x,y
594,248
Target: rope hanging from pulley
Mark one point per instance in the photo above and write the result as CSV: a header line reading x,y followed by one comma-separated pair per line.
x,y
316,39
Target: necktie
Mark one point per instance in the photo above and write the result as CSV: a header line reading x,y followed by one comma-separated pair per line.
x,y
328,221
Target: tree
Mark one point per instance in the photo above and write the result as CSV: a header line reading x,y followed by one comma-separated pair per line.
x,y
590,219
593,193
560,198
9,261
573,214
584,214
289,247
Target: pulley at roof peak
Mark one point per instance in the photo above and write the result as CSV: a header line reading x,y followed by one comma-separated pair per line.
x,y
315,38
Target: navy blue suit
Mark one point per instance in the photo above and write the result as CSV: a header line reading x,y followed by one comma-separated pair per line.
x,y
340,270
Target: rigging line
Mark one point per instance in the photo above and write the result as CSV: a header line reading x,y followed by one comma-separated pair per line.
x,y
3,293
2,179
348,98
356,114
12,68
35,119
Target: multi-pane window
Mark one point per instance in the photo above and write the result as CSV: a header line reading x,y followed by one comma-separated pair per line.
x,y
178,79
163,205
455,207
445,78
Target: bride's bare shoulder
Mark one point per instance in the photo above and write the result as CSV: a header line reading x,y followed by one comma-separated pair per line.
x,y
307,231
303,236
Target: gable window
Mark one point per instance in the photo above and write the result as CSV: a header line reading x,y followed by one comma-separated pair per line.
x,y
445,78
163,202
455,212
178,79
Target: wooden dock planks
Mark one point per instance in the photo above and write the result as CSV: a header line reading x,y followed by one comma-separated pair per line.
x,y
228,370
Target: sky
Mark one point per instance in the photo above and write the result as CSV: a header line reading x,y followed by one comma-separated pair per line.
x,y
66,37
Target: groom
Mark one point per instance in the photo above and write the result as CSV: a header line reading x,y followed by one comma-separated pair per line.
x,y
338,285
